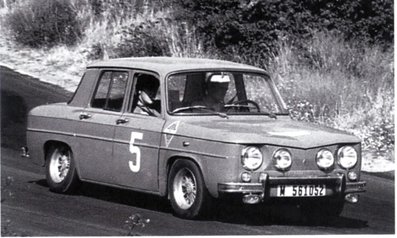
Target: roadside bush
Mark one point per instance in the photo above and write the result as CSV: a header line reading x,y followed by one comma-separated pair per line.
x,y
115,9
144,39
39,23
341,84
254,27
159,36
126,28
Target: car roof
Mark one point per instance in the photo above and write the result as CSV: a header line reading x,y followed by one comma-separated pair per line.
x,y
166,65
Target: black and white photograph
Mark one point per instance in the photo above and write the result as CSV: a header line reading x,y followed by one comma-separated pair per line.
x,y
197,117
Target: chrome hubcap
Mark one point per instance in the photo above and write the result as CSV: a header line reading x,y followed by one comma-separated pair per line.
x,y
185,188
59,165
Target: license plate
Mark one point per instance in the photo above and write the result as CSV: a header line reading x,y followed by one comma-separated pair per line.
x,y
300,190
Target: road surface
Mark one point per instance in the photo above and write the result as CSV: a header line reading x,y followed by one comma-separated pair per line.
x,y
28,208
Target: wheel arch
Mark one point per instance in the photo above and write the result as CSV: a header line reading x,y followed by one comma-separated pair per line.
x,y
48,144
188,203
170,161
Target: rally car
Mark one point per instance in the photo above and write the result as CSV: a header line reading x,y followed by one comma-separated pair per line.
x,y
192,130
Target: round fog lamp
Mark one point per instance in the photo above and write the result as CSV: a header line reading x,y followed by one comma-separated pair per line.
x,y
282,159
352,175
325,159
352,198
246,177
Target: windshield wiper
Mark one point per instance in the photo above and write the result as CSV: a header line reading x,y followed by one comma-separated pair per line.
x,y
272,115
238,106
200,107
181,109
269,114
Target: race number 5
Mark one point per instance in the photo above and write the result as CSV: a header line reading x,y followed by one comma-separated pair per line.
x,y
135,167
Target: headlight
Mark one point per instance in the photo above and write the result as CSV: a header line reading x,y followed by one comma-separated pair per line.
x,y
282,159
251,158
347,157
325,159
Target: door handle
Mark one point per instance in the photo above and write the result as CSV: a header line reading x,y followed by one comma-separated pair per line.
x,y
84,115
121,121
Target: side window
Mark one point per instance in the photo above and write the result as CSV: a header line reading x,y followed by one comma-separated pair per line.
x,y
146,97
176,91
110,91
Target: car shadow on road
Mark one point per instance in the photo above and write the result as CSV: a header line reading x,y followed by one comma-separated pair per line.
x,y
13,119
280,214
232,212
120,196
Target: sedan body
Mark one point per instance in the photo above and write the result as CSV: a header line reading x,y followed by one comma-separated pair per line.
x,y
192,130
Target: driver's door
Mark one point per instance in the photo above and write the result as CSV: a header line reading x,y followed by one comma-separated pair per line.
x,y
136,148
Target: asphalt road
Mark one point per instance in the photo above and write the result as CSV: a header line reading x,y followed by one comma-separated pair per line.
x,y
29,208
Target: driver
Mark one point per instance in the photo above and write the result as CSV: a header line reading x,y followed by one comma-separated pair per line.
x,y
216,89
146,90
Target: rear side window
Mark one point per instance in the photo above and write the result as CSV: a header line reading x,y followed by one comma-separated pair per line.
x,y
110,90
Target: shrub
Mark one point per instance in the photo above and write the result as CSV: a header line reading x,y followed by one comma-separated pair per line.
x,y
124,28
341,84
39,23
254,27
142,40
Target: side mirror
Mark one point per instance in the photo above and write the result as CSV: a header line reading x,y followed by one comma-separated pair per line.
x,y
144,97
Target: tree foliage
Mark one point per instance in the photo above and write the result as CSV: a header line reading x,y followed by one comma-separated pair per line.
x,y
255,26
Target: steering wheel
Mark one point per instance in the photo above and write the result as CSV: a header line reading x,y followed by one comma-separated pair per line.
x,y
239,104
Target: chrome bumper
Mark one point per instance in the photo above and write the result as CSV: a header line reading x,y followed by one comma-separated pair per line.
x,y
336,185
355,187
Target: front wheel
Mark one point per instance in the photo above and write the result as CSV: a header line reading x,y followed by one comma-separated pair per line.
x,y
61,172
188,194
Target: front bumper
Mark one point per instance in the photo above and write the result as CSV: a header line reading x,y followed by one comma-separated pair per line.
x,y
336,185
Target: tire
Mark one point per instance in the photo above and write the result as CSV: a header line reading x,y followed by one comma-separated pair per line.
x,y
188,193
60,168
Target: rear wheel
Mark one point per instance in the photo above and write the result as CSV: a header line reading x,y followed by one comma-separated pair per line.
x,y
188,194
61,172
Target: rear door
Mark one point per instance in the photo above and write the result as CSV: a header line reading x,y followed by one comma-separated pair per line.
x,y
97,125
137,143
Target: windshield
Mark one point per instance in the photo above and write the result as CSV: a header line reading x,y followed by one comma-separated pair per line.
x,y
223,92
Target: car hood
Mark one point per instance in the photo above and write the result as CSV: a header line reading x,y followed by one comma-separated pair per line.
x,y
281,132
